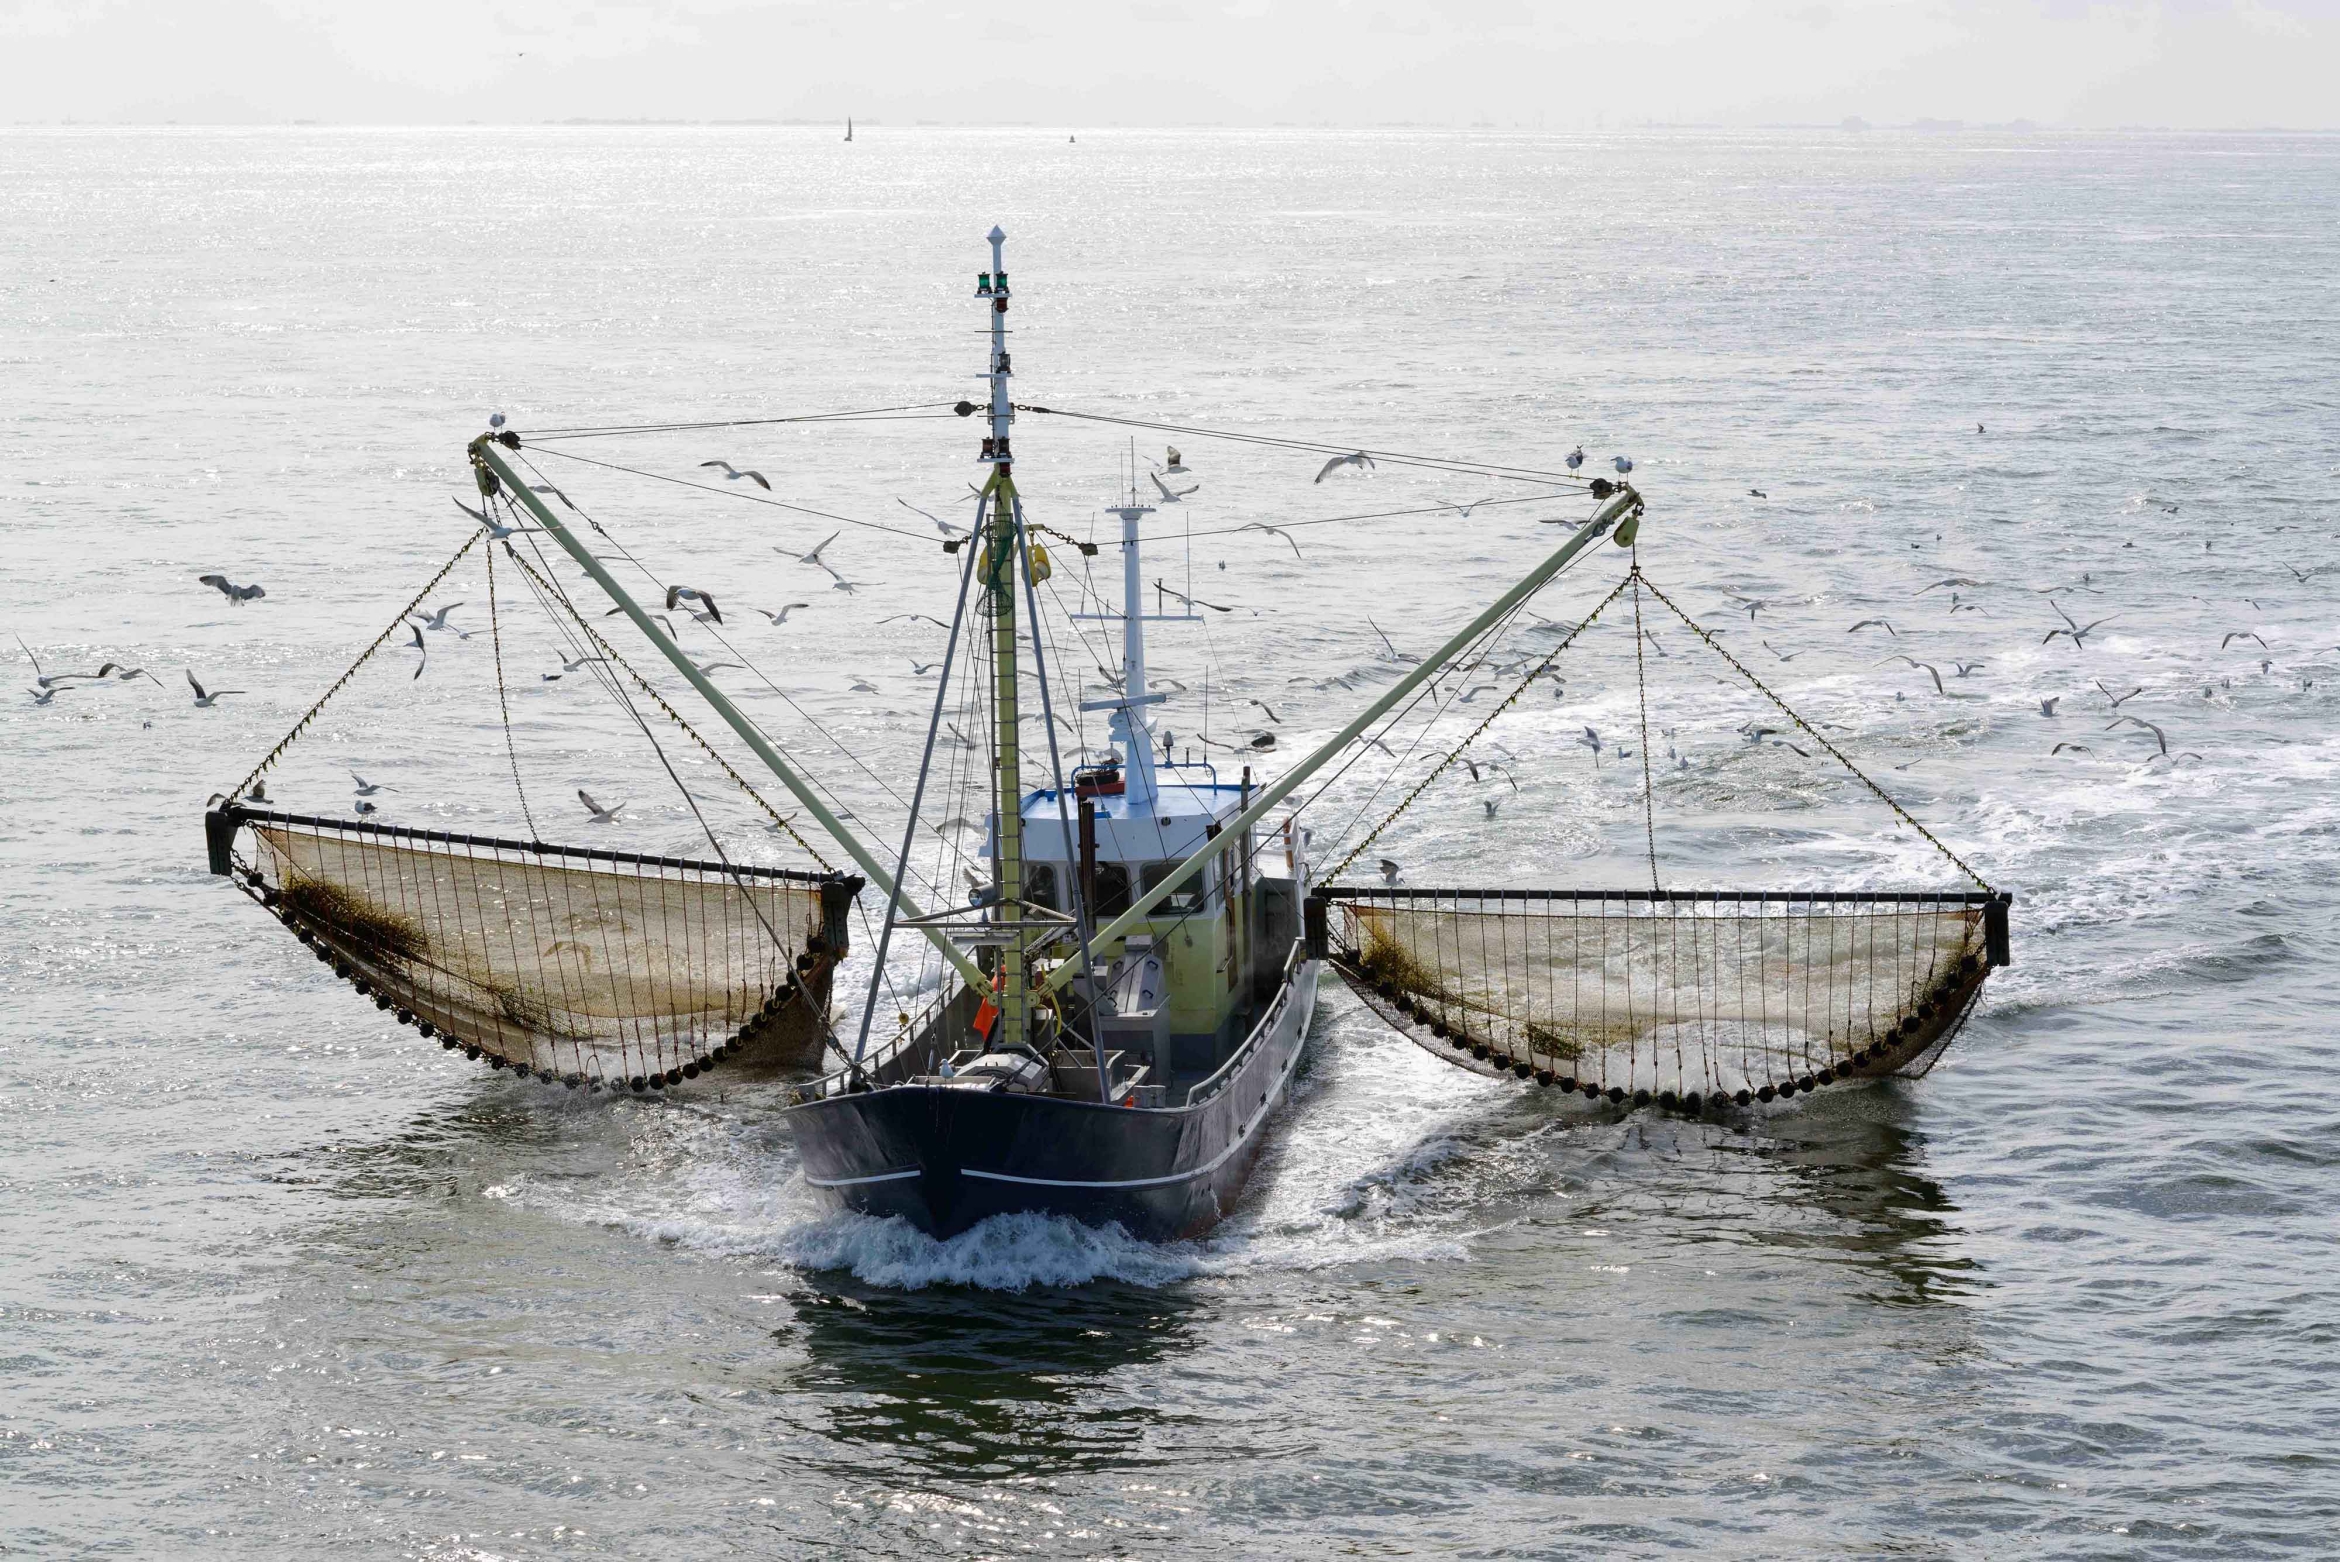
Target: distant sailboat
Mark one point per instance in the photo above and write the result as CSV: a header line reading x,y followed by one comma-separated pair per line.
x,y
849,127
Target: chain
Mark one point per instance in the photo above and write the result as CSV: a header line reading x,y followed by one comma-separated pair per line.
x,y
1447,762
364,656
554,593
503,700
1641,687
1814,734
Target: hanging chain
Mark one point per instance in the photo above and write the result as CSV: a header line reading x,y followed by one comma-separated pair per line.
x,y
1641,687
364,656
1447,762
1815,735
554,593
503,700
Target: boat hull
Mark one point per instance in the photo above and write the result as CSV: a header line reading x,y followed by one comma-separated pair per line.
x,y
945,1159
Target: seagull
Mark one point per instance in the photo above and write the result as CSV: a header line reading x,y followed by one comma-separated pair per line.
x,y
1757,493
734,474
1623,464
895,619
2047,707
1389,648
1876,622
919,669
2077,748
1263,741
1464,510
1475,766
600,814
1928,666
204,698
2301,575
709,669
940,525
1785,656
1177,462
1592,740
259,793
1172,591
43,696
2233,635
239,595
781,617
367,788
861,685
2077,633
964,740
2117,699
1170,495
1967,667
2138,721
1574,459
1490,804
680,594
45,680
1360,460
414,629
547,488
1273,531
117,670
814,558
841,584
1389,871
361,806
661,617
438,620
1955,580
1272,717
497,531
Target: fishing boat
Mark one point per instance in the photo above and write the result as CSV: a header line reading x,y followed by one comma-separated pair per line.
x,y
1123,999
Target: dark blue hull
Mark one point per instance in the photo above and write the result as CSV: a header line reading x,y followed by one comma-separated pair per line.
x,y
945,1158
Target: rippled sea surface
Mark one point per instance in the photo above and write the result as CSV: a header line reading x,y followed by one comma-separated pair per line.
x,y
279,1278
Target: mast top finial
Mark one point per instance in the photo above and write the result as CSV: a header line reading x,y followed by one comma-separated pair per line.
x,y
996,235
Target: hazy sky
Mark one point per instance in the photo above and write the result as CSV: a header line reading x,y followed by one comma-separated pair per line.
x,y
2201,63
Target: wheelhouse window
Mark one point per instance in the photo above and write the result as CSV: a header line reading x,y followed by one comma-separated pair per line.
x,y
1040,885
1112,890
1188,896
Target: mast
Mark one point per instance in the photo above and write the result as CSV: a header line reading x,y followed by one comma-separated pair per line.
x,y
1128,720
999,589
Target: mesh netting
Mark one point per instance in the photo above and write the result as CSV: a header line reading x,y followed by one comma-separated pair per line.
x,y
594,967
1676,997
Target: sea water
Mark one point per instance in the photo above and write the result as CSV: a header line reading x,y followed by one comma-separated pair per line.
x,y
281,1278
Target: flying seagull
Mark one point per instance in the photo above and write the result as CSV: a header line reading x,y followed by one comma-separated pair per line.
x,y
1172,591
497,531
117,670
2078,634
2159,736
414,629
2118,699
438,620
1360,460
1876,623
1928,666
786,608
1170,495
680,594
205,698
600,814
2233,635
1177,461
367,788
940,525
1273,531
239,595
734,474
1389,871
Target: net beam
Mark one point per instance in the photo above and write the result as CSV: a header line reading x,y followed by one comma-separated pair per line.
x,y
1684,998
597,968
